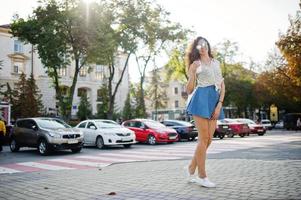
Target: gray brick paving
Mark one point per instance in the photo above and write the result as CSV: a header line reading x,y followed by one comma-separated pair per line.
x,y
163,180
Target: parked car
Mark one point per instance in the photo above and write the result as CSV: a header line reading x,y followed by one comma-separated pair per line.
x,y
101,133
238,128
222,129
254,128
185,130
279,125
290,120
151,131
46,134
266,124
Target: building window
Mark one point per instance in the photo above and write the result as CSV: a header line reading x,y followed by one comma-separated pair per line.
x,y
62,72
18,67
176,104
83,72
99,95
176,90
18,46
64,90
99,72
81,92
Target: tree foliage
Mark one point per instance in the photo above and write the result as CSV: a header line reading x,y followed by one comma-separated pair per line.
x,y
290,47
59,32
25,98
84,108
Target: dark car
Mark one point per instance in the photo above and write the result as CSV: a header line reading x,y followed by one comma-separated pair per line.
x,y
222,129
238,128
290,121
46,134
185,129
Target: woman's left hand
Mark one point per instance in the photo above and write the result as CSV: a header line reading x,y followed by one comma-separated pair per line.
x,y
216,112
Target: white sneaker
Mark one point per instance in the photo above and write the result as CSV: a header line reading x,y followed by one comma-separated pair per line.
x,y
190,177
204,182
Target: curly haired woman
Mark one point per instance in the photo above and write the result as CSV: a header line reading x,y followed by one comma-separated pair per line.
x,y
207,90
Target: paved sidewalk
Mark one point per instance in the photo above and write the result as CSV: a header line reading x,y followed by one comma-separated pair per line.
x,y
164,180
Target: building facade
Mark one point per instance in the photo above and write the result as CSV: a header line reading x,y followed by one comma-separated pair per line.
x,y
18,57
175,101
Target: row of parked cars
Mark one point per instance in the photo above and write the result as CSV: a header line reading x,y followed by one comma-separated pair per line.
x,y
47,134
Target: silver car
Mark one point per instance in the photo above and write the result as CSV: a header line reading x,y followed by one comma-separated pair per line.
x,y
46,134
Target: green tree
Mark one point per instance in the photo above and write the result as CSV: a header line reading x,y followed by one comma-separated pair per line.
x,y
26,100
102,109
115,38
175,68
33,94
84,109
156,90
127,112
59,32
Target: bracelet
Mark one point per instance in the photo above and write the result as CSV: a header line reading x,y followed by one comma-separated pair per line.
x,y
221,101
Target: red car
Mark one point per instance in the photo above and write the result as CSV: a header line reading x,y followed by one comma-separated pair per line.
x,y
151,131
238,128
254,128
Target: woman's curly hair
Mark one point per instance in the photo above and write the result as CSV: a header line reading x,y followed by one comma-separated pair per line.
x,y
193,54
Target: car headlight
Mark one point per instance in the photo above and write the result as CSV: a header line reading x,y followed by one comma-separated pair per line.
x,y
54,134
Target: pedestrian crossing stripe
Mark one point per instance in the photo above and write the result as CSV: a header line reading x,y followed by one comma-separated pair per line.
x,y
104,159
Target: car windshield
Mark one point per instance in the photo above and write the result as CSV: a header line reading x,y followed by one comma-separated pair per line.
x,y
107,124
248,121
51,123
181,123
154,124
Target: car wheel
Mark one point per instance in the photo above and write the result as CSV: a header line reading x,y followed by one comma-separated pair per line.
x,y
76,150
43,147
260,134
179,138
99,142
14,147
242,135
221,136
151,140
127,145
231,135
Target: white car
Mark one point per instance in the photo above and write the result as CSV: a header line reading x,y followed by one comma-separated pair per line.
x,y
266,124
101,133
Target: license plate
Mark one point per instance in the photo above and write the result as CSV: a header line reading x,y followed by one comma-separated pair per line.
x,y
225,126
172,138
72,141
260,130
126,139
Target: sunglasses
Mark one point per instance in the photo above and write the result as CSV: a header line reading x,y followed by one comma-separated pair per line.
x,y
202,44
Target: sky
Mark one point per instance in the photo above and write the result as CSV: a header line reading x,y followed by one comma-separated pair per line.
x,y
254,24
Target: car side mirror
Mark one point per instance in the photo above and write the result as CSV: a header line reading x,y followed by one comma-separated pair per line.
x,y
93,127
34,127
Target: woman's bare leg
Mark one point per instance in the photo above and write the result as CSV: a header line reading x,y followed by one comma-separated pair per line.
x,y
212,127
199,158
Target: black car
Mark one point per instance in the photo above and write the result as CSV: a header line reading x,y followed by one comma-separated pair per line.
x,y
290,121
184,129
222,129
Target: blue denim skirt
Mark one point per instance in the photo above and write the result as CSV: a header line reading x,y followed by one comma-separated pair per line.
x,y
203,102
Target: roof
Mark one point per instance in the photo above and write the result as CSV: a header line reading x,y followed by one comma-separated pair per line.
x,y
5,26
